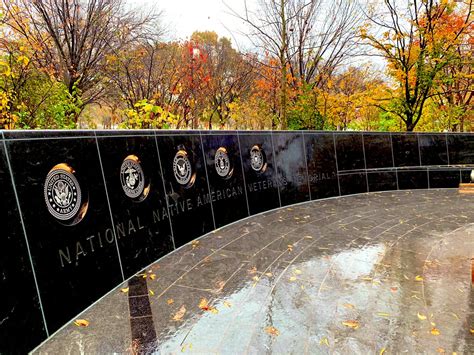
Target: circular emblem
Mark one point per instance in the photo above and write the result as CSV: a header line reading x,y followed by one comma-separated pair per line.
x,y
257,159
132,177
222,163
182,168
62,192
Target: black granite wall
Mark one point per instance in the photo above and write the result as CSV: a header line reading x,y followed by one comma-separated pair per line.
x,y
82,211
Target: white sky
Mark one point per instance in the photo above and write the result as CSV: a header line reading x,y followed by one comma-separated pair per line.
x,y
183,17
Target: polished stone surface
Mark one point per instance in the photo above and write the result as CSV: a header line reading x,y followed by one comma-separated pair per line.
x,y
380,272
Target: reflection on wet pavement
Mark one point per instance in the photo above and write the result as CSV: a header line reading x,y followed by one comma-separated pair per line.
x,y
373,273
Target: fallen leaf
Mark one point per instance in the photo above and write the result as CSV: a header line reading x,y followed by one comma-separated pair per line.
x,y
383,314
351,324
302,287
297,218
394,289
418,278
367,278
382,351
435,331
204,304
290,247
308,237
324,341
433,323
253,270
421,316
81,322
297,272
349,306
227,304
124,290
213,310
195,243
472,331
440,350
179,315
152,276
292,278
272,331
170,301
269,274
255,278
454,315
151,292
406,277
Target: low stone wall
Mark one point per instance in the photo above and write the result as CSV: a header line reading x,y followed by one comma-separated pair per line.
x,y
82,211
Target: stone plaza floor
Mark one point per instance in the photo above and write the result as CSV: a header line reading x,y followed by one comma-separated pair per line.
x,y
377,273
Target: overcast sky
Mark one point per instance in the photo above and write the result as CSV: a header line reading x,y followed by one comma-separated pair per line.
x,y
183,17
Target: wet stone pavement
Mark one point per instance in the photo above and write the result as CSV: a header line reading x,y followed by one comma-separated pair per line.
x,y
366,274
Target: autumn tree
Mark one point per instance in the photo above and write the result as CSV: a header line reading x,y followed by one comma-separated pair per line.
x,y
76,36
419,41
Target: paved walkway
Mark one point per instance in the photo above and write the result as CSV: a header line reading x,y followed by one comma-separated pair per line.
x,y
373,273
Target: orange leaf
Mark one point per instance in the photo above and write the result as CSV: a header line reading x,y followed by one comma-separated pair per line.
x,y
435,331
81,322
170,301
351,324
272,331
179,315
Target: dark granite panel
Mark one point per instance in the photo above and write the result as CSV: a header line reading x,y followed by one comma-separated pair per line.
x,y
378,151
19,304
433,149
66,256
189,205
382,181
228,189
141,220
412,180
322,170
291,174
405,150
461,148
261,184
466,175
350,154
444,178
353,183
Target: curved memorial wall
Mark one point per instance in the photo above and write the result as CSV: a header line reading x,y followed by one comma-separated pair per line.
x,y
82,211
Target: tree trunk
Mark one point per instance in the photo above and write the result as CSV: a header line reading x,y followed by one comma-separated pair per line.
x,y
283,121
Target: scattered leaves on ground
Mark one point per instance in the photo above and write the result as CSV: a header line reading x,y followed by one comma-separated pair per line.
x,y
124,290
435,331
170,301
324,341
272,331
204,305
351,324
421,316
180,314
81,322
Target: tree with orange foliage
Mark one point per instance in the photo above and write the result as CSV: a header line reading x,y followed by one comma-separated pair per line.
x,y
419,42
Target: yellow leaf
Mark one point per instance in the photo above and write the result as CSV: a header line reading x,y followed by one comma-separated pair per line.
x,y
124,290
421,316
195,243
213,310
351,324
418,278
348,305
367,278
81,322
179,315
269,274
253,270
435,331
297,272
227,304
292,278
290,247
272,331
255,278
440,350
152,276
382,314
324,341
204,303
170,301
472,331
382,351
151,292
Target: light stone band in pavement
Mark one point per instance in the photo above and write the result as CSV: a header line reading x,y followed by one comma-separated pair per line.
x,y
382,272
